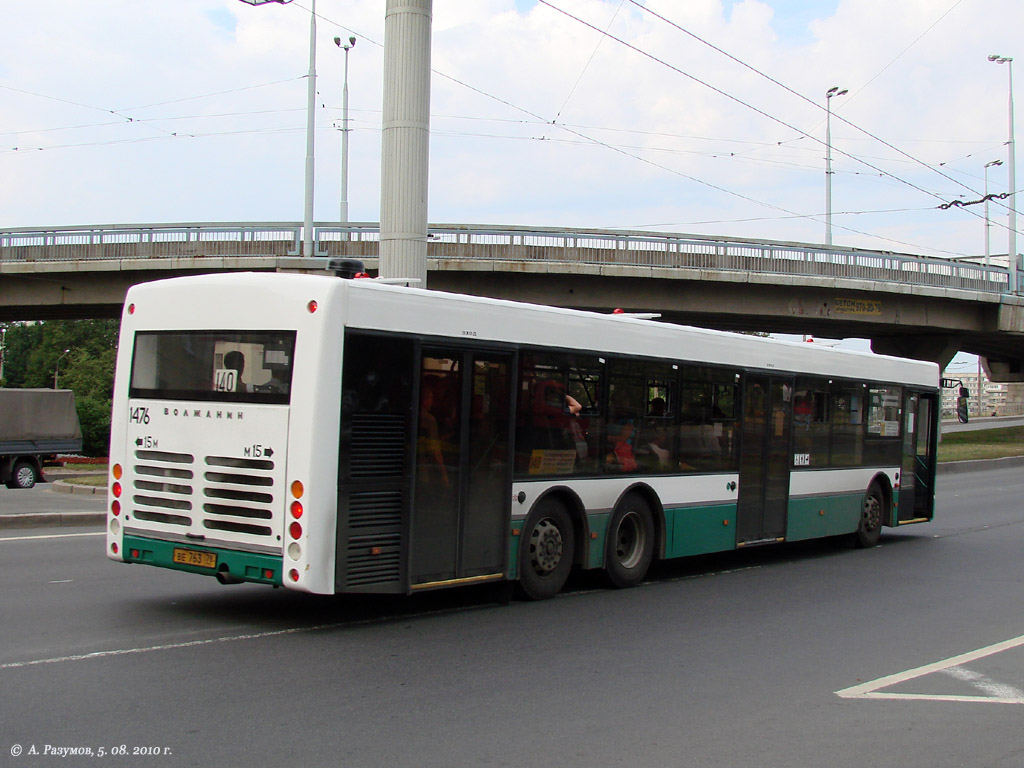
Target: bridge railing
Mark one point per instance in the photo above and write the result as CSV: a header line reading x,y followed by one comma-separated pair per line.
x,y
501,243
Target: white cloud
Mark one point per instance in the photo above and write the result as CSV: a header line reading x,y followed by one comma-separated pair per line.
x,y
239,155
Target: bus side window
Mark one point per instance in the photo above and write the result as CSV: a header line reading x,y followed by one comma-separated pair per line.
x,y
811,423
847,426
707,419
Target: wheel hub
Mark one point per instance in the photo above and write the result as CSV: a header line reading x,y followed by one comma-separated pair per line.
x,y
629,540
546,546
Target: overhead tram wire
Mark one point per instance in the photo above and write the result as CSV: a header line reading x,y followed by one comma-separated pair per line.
x,y
740,101
589,61
896,58
784,87
115,112
598,142
540,119
752,219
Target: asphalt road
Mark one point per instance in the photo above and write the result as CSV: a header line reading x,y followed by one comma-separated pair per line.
x,y
732,660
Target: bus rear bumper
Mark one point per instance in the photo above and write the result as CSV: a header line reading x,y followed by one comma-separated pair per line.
x,y
227,566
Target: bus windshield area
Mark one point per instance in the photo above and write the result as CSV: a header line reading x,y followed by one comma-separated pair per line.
x,y
221,366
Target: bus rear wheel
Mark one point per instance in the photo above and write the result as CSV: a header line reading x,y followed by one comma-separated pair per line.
x,y
23,475
869,531
629,547
546,551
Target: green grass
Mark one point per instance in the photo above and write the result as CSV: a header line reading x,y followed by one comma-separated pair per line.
x,y
982,444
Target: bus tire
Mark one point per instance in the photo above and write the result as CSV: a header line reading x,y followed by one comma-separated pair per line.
x,y
629,546
546,550
869,531
23,475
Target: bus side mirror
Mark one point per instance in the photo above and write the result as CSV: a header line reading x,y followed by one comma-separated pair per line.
x,y
961,409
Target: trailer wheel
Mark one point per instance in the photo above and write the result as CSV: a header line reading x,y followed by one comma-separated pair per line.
x,y
23,475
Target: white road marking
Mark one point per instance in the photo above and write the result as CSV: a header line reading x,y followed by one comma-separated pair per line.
x,y
231,638
1000,694
986,685
167,647
52,536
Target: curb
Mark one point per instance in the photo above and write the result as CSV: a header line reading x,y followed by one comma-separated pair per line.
x,y
978,465
62,486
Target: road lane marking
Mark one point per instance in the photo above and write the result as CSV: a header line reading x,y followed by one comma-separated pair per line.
x,y
999,694
994,689
167,647
236,638
52,536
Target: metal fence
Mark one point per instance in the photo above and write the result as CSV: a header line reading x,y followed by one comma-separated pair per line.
x,y
511,244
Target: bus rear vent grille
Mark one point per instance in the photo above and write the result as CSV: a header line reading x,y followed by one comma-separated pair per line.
x,y
375,509
378,445
374,559
375,548
163,487
240,492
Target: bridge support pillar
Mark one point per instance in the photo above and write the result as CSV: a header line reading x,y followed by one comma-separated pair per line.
x,y
936,349
406,139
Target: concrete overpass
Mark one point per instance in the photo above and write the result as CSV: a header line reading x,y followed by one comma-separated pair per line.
x,y
908,305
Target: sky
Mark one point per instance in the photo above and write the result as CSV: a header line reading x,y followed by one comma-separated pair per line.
x,y
703,116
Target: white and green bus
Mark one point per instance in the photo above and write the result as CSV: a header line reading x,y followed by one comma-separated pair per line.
x,y
348,436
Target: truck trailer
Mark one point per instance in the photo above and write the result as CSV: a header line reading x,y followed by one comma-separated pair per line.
x,y
35,423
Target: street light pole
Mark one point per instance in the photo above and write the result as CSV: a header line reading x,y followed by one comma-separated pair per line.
x,y
307,220
344,135
56,368
987,250
833,91
1012,224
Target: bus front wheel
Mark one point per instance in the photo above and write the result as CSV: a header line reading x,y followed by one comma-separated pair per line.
x,y
546,551
629,547
869,531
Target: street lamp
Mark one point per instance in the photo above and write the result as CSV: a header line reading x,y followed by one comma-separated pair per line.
x,y
833,91
344,134
1012,251
307,221
987,166
56,368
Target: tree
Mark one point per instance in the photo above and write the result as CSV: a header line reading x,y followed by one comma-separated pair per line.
x,y
88,369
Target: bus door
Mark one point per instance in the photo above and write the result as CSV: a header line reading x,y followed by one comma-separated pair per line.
x,y
764,459
917,474
461,493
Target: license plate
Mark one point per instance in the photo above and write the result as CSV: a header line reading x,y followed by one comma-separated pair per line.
x,y
194,557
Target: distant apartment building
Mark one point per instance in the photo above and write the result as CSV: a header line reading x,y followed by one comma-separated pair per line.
x,y
989,399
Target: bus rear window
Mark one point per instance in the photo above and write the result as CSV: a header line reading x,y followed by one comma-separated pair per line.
x,y
223,366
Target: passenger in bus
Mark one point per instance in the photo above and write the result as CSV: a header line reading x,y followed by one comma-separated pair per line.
x,y
621,456
235,360
622,427
431,458
655,436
